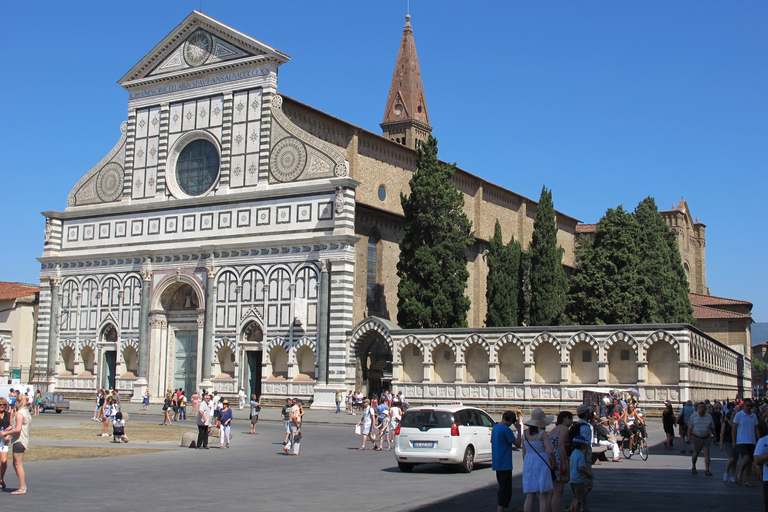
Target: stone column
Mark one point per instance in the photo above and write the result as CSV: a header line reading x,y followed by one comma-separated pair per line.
x,y
322,325
146,276
210,295
54,327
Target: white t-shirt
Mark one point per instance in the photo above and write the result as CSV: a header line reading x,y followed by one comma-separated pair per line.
x,y
747,424
762,449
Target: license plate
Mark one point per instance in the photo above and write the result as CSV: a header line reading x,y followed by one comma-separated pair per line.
x,y
423,444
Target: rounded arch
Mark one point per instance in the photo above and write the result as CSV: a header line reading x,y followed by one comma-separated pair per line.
x,y
225,362
622,363
511,359
583,357
581,337
88,357
663,364
546,363
658,336
410,340
130,357
506,340
620,336
545,337
304,356
473,339
411,356
443,356
441,339
171,284
364,330
67,354
476,357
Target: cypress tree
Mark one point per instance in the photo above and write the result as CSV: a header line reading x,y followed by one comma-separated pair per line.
x,y
503,282
547,276
433,263
605,285
660,268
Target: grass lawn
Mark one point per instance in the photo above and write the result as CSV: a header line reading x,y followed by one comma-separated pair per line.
x,y
41,453
91,431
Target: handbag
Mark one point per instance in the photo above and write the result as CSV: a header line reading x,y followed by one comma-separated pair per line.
x,y
551,471
297,436
358,430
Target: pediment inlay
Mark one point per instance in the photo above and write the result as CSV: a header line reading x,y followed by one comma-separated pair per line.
x,y
200,48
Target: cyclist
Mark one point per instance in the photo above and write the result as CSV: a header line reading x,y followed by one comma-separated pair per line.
x,y
634,423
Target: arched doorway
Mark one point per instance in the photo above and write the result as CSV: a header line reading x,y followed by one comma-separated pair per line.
x,y
109,342
179,339
252,339
374,364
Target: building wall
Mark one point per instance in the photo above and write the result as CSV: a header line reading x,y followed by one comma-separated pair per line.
x,y
18,320
735,333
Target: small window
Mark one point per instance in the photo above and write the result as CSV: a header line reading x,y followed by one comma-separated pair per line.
x,y
625,355
382,192
586,356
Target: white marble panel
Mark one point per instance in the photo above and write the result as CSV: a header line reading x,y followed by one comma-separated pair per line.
x,y
154,122
254,105
190,111
137,187
150,187
152,150
217,108
174,122
254,137
142,123
240,107
203,113
252,169
237,171
238,139
140,154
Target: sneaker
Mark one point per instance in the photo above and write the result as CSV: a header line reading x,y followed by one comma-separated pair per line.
x,y
732,480
631,452
725,477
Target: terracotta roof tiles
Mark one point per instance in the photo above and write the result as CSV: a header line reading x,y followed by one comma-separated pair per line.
x,y
10,291
698,299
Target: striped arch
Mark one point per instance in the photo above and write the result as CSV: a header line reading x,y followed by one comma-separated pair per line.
x,y
279,266
472,339
127,276
5,344
409,340
578,338
225,341
502,342
71,344
122,344
362,333
621,336
656,337
85,343
274,342
545,337
438,340
305,341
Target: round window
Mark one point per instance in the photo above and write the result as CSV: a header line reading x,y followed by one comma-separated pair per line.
x,y
197,167
382,192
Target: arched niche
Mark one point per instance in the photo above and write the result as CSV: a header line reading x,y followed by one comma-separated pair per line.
x,y
130,362
68,360
226,363
546,362
511,364
305,358
89,359
622,364
444,360
413,363
476,359
278,364
583,364
663,365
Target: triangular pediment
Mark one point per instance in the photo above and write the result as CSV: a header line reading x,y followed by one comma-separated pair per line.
x,y
201,43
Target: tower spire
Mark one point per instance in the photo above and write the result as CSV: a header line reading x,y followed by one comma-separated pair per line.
x,y
405,117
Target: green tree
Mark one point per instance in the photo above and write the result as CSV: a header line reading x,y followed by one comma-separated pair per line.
x,y
604,288
503,282
433,262
660,269
548,282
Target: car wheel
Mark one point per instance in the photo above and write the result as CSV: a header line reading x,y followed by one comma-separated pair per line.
x,y
468,464
58,411
405,467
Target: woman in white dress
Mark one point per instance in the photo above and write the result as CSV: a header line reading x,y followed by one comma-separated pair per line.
x,y
538,460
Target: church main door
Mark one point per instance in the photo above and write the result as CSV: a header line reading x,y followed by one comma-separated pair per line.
x,y
185,361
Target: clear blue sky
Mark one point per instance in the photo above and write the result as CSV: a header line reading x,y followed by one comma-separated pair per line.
x,y
604,102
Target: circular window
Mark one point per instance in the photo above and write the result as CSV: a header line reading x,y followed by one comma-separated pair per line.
x,y
382,192
197,167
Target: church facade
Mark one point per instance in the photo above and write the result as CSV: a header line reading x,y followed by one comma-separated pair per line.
x,y
235,237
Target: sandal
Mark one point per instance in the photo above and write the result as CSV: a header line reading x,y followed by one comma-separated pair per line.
x,y
19,491
748,484
361,449
693,471
708,473
2,484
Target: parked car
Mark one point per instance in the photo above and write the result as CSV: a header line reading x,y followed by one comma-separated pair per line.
x,y
444,434
53,402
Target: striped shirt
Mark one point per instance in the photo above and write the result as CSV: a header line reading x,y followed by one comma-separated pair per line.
x,y
701,425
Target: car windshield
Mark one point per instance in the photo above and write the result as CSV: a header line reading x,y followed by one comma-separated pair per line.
x,y
426,419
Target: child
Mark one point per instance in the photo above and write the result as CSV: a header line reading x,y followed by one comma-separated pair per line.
x,y
118,429
579,474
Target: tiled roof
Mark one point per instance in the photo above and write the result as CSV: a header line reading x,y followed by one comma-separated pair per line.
x,y
9,291
698,299
586,228
704,312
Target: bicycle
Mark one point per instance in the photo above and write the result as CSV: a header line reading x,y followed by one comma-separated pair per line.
x,y
640,445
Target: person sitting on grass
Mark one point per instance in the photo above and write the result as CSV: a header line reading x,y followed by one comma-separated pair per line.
x,y
118,429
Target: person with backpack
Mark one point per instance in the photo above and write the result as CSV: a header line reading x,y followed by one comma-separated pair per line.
x,y
582,428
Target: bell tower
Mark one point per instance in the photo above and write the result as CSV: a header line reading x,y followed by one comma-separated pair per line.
x,y
406,120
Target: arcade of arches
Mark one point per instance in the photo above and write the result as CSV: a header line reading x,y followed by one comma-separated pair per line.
x,y
525,364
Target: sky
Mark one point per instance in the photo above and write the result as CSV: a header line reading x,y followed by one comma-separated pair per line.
x,y
603,102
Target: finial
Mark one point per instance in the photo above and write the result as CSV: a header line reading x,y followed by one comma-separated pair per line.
x,y
407,20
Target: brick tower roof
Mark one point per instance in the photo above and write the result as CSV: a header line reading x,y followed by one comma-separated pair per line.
x,y
406,102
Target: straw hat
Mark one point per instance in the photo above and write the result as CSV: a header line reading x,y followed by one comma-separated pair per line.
x,y
539,419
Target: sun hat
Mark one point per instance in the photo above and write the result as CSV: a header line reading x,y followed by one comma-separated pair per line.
x,y
539,419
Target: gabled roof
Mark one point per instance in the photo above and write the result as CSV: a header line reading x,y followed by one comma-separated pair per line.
x,y
705,312
698,299
200,43
10,291
406,99
586,228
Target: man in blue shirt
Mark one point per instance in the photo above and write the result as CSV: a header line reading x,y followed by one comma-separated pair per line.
x,y
502,439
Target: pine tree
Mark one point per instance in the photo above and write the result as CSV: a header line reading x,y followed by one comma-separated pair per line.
x,y
503,282
433,263
604,288
548,282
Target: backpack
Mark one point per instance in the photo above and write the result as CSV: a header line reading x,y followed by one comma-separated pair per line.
x,y
573,431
